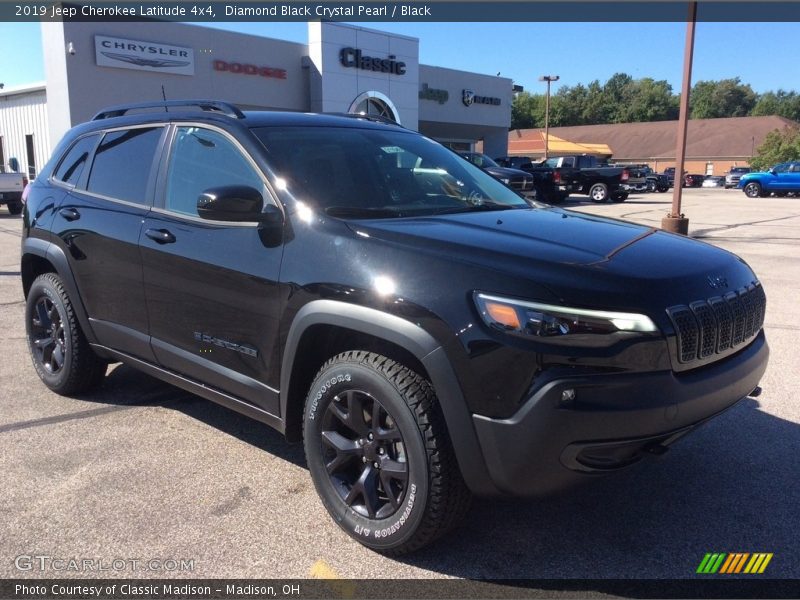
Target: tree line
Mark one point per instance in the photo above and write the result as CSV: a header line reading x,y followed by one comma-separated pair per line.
x,y
623,99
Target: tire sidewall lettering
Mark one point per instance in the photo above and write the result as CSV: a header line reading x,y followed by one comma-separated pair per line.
x,y
323,389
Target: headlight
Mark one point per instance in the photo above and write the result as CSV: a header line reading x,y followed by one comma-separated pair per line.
x,y
547,320
505,180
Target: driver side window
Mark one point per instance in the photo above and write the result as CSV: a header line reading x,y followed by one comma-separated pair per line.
x,y
202,159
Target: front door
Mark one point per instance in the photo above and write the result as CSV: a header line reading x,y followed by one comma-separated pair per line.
x,y
212,287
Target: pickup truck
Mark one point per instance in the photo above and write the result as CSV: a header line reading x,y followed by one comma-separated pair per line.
x,y
589,176
12,184
781,179
518,180
546,182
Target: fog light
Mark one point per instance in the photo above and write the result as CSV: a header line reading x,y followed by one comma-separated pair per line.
x,y
567,395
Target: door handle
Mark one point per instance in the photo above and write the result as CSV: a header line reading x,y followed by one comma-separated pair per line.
x,y
161,236
70,214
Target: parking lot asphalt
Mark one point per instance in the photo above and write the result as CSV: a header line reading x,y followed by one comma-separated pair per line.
x,y
142,470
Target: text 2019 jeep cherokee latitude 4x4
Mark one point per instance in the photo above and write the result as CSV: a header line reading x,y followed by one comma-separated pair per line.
x,y
423,329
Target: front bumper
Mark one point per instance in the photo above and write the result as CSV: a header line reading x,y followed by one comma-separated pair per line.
x,y
613,421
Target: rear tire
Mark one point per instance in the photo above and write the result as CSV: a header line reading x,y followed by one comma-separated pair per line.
x,y
61,354
598,192
379,453
14,206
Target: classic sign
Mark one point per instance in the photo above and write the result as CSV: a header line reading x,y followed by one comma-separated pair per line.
x,y
352,57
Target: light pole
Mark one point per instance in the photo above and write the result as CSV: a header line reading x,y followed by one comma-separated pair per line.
x,y
549,79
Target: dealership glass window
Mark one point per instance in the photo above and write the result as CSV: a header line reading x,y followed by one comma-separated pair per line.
x,y
71,166
202,159
375,107
122,164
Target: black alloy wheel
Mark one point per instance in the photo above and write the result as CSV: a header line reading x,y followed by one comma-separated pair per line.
x,y
47,335
61,354
365,454
379,453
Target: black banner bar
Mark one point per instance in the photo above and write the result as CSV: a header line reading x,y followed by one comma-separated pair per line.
x,y
411,11
268,589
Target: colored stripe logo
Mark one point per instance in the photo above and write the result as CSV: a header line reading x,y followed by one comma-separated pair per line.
x,y
736,562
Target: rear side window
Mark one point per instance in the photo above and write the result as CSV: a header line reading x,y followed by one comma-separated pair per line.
x,y
71,166
123,162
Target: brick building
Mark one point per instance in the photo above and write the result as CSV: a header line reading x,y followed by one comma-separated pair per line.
x,y
713,146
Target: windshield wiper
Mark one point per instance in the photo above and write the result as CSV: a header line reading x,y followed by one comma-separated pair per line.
x,y
483,206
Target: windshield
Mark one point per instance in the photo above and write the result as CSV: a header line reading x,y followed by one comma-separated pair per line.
x,y
371,173
480,160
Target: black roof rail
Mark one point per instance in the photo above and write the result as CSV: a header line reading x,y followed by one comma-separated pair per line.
x,y
225,108
376,118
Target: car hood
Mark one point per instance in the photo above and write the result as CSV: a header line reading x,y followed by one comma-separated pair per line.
x,y
506,172
571,253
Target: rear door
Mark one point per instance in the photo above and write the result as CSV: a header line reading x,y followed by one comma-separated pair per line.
x,y
212,287
97,226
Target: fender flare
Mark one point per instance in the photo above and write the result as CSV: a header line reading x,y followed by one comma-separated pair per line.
x,y
56,257
425,348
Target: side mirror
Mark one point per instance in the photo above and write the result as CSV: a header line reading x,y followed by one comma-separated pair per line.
x,y
772,171
236,203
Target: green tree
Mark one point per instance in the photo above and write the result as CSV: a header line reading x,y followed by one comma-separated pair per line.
x,y
568,106
527,111
598,108
779,146
781,103
650,100
724,98
619,91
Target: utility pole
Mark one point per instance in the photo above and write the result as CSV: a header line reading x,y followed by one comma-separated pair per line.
x,y
675,221
549,79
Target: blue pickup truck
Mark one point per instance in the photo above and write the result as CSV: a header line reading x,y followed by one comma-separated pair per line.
x,y
781,180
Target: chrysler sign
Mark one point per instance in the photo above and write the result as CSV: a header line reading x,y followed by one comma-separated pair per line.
x,y
143,56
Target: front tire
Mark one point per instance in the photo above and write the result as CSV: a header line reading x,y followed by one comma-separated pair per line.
x,y
379,453
598,192
61,354
753,190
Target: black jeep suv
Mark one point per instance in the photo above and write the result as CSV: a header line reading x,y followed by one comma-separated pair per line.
x,y
427,332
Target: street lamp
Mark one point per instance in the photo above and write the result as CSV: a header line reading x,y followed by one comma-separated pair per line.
x,y
549,79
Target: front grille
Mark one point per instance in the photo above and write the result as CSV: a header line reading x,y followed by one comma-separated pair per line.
x,y
522,184
714,326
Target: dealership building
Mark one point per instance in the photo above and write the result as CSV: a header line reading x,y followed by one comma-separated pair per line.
x,y
342,69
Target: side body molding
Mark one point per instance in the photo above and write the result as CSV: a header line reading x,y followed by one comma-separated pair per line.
x,y
424,347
